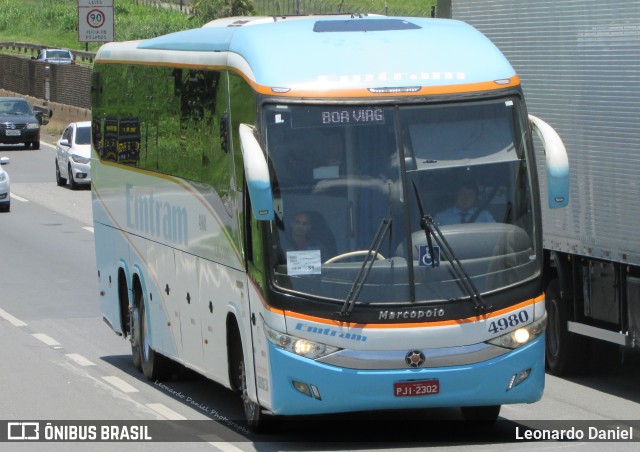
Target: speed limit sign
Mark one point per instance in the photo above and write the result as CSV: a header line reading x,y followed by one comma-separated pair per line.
x,y
95,20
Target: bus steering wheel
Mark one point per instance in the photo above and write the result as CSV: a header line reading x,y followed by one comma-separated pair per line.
x,y
350,254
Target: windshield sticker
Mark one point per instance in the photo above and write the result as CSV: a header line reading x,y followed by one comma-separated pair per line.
x,y
424,257
305,262
326,172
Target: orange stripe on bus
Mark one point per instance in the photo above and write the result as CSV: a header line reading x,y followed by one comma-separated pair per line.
x,y
364,92
414,324
333,93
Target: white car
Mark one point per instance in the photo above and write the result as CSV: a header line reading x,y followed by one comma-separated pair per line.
x,y
55,56
73,155
5,191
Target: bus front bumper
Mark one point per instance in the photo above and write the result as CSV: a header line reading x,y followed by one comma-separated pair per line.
x,y
300,386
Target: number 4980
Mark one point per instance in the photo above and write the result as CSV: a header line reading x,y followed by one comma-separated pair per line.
x,y
510,321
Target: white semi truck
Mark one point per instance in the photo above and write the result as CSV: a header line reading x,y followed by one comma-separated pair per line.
x,y
579,63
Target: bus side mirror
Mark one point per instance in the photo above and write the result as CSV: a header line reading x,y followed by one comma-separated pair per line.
x,y
256,173
557,163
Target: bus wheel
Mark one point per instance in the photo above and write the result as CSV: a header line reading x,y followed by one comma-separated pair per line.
x,y
566,353
154,365
252,411
135,333
487,414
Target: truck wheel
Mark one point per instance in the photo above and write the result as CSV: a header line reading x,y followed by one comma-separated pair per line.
x,y
566,353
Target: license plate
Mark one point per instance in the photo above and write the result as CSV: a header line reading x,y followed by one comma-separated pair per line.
x,y
416,388
12,133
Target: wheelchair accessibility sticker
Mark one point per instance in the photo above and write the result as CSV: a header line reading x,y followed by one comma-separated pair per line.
x,y
425,259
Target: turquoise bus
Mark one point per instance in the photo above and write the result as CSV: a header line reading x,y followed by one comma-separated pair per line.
x,y
273,198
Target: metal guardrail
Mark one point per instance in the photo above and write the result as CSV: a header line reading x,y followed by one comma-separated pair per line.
x,y
33,49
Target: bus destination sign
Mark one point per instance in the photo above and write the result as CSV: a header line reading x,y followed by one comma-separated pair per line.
x,y
337,116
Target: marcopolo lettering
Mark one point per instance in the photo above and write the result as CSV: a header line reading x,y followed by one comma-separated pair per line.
x,y
413,314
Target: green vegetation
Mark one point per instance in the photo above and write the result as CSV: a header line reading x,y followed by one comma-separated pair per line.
x,y
55,22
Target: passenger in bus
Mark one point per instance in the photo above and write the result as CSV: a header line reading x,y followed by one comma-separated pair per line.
x,y
305,232
465,209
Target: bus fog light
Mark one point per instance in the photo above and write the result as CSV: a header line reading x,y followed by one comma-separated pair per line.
x,y
316,392
518,378
302,388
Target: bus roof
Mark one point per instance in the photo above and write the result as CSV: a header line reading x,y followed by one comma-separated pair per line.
x,y
334,55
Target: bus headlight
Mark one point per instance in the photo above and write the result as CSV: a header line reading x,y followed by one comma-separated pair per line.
x,y
302,347
521,336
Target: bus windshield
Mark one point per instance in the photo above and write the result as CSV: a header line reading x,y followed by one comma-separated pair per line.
x,y
355,183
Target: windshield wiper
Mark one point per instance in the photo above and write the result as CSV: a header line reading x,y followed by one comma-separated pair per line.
x,y
431,229
364,271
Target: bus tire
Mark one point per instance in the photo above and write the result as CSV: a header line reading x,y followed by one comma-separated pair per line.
x,y
136,352
154,365
566,353
485,414
129,316
256,420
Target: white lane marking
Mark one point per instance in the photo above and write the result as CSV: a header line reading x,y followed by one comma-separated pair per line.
x,y
120,384
115,393
80,360
11,319
46,339
19,198
88,228
223,446
166,412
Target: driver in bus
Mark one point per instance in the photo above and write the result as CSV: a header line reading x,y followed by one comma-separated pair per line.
x,y
301,235
465,209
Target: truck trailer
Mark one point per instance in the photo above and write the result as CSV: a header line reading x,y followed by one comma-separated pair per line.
x,y
579,66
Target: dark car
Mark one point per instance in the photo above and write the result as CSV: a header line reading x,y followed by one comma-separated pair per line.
x,y
19,123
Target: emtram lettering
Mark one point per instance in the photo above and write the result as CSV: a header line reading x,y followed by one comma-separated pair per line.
x,y
330,332
161,219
